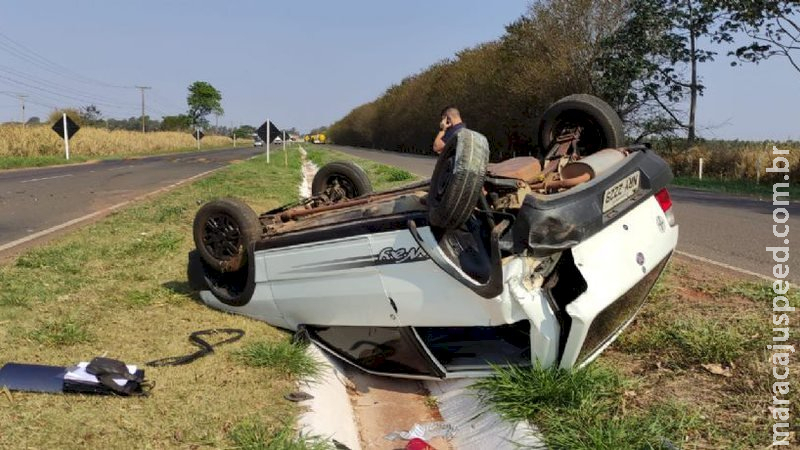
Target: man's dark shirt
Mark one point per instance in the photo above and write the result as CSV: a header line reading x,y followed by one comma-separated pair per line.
x,y
451,131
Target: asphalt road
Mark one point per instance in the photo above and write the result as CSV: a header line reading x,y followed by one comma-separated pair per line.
x,y
716,228
34,201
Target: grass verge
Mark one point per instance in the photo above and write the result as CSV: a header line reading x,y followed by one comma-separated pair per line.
x,y
583,409
118,288
691,369
742,187
382,176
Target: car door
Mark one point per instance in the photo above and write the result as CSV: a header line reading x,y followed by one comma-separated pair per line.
x,y
329,282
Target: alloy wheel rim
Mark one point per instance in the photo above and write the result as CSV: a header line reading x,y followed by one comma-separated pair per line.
x,y
222,236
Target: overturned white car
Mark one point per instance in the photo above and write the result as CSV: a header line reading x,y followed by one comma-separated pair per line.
x,y
484,264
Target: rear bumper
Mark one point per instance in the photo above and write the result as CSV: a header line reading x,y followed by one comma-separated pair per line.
x,y
547,224
620,265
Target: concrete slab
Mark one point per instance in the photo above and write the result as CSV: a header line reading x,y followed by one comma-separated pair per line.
x,y
329,413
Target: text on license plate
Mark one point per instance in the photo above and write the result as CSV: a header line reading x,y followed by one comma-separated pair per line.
x,y
621,191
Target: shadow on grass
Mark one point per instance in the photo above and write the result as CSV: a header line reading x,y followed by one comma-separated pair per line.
x,y
180,287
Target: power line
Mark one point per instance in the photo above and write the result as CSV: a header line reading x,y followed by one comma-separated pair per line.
x,y
35,59
30,100
91,97
26,54
58,90
70,97
165,102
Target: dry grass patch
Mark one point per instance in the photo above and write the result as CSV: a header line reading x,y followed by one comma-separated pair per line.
x,y
731,160
39,145
118,288
701,340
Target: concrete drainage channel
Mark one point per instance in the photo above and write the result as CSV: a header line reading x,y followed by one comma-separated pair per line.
x,y
309,169
359,410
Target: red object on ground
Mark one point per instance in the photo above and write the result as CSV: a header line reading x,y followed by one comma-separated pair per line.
x,y
418,444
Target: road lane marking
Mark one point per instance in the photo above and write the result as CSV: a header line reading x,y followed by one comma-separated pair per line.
x,y
725,266
104,211
46,178
121,168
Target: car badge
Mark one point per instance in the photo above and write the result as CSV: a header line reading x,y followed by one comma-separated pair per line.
x,y
662,224
640,258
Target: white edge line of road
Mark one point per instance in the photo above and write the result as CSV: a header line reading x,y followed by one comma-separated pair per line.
x,y
46,178
102,212
724,266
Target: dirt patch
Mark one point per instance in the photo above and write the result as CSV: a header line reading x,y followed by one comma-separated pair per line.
x,y
383,405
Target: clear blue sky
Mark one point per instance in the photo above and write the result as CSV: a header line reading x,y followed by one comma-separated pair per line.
x,y
303,63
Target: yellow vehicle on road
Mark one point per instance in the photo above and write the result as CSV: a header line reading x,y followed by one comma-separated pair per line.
x,y
315,138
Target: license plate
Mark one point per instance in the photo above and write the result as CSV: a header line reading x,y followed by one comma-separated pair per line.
x,y
621,191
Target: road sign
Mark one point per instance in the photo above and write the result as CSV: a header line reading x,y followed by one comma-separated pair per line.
x,y
72,127
273,131
198,135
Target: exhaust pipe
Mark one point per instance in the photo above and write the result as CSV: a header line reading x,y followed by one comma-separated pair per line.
x,y
593,165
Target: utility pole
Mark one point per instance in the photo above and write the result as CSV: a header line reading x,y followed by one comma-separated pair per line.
x,y
21,98
143,88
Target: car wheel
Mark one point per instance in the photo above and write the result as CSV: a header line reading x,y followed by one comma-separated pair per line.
x,y
222,231
602,127
458,179
346,175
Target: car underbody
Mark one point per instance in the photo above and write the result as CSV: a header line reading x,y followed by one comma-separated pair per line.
x,y
539,263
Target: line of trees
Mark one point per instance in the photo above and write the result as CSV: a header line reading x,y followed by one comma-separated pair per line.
x,y
202,99
642,56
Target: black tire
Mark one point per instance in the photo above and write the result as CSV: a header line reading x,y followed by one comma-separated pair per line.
x,y
457,179
602,127
222,231
349,175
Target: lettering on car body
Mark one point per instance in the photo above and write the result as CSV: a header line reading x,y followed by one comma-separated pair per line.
x,y
391,255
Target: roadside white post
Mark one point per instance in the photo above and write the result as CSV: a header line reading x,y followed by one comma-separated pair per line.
x,y
758,169
700,170
197,137
285,155
268,125
66,135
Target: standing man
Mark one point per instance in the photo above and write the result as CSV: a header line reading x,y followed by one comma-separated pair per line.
x,y
450,124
